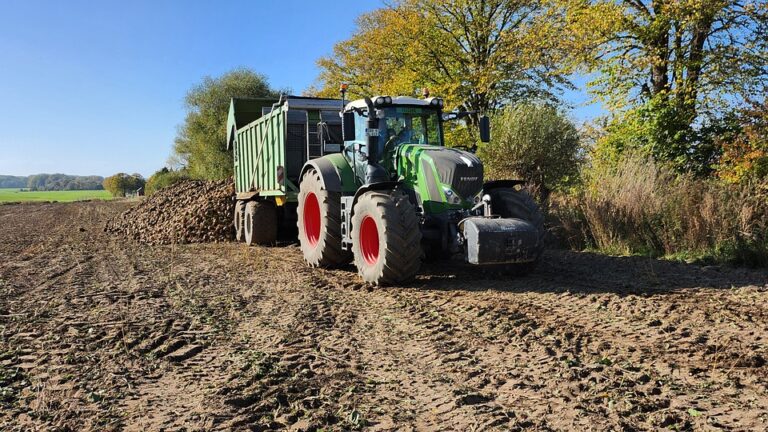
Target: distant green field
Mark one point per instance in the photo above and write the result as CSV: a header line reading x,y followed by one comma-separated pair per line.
x,y
15,195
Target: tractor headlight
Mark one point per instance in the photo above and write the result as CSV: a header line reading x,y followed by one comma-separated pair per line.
x,y
437,102
452,197
382,100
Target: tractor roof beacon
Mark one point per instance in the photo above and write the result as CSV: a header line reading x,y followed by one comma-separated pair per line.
x,y
377,186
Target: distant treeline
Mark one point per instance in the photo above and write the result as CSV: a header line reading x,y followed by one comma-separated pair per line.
x,y
7,181
52,182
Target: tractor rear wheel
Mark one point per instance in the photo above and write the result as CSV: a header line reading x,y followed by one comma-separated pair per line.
x,y
386,238
319,223
518,204
239,221
260,223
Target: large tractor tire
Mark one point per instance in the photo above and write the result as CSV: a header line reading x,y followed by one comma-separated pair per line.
x,y
239,221
319,223
386,238
260,223
518,204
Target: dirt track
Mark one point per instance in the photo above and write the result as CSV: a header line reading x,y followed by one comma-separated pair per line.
x,y
101,333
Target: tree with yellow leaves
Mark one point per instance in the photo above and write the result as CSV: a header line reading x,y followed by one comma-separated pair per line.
x,y
477,55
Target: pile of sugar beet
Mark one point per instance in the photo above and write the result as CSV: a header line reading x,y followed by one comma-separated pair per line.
x,y
191,211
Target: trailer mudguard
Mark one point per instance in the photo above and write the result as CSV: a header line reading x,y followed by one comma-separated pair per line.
x,y
335,173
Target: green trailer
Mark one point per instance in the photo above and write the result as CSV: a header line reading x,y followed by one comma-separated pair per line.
x,y
271,139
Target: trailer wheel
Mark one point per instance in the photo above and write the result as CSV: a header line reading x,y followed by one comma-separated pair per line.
x,y
386,238
518,204
239,220
319,223
260,223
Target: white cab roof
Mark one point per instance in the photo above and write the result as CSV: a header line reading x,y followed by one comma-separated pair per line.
x,y
398,100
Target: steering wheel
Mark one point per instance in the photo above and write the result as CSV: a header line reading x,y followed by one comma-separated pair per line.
x,y
396,136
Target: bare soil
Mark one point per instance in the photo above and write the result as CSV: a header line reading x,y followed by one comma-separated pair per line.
x,y
101,333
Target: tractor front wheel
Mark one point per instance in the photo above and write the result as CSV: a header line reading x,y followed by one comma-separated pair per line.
x,y
260,223
386,239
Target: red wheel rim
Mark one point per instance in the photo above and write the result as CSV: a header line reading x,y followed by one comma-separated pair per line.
x,y
312,219
369,240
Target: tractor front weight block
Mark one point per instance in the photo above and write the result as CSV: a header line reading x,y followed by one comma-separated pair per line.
x,y
499,241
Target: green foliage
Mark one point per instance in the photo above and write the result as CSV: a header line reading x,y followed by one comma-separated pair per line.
x,y
164,178
535,142
121,184
201,141
657,129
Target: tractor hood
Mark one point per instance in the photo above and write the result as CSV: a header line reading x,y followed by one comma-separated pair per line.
x,y
443,177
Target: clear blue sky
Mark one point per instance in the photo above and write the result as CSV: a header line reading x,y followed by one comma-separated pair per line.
x,y
97,87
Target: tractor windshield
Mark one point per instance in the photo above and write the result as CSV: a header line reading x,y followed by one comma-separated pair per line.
x,y
409,125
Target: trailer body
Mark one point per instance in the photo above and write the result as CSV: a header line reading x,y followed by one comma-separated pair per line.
x,y
271,139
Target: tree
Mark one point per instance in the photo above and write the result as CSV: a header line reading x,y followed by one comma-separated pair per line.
x,y
686,63
533,142
201,141
478,55
121,183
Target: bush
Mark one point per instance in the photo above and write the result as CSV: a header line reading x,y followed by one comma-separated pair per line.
x,y
534,142
641,207
164,178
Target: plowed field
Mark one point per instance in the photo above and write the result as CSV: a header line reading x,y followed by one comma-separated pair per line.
x,y
100,333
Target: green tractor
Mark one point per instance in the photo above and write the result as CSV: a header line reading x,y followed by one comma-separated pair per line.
x,y
394,193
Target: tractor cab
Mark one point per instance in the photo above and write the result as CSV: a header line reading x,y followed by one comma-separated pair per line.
x,y
398,121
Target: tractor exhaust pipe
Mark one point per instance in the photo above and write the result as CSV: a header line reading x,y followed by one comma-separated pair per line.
x,y
374,173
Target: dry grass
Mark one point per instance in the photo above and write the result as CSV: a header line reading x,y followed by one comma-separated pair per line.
x,y
641,207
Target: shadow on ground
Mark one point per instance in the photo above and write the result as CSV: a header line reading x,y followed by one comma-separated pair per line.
x,y
586,272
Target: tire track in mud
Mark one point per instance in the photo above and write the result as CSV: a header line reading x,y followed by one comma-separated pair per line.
x,y
83,329
225,337
62,341
421,375
557,316
297,368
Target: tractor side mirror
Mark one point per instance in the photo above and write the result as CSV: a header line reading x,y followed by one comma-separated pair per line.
x,y
349,126
485,129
